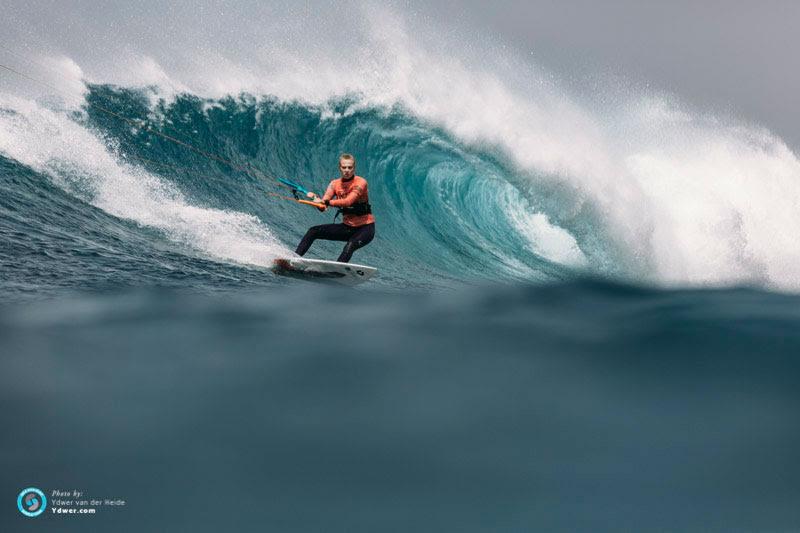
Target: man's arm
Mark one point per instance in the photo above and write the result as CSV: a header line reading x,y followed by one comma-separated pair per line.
x,y
327,196
348,200
328,192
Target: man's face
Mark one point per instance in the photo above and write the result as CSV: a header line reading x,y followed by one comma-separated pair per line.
x,y
347,167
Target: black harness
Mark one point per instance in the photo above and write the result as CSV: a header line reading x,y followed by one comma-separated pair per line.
x,y
359,209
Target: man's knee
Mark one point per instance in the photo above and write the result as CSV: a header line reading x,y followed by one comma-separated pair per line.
x,y
313,231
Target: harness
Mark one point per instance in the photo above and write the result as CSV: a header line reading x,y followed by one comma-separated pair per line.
x,y
358,209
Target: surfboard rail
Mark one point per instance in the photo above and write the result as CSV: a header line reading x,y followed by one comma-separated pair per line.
x,y
322,270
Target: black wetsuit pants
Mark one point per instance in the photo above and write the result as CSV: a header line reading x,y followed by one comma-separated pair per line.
x,y
356,237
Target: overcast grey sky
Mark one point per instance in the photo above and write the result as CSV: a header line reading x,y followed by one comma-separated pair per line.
x,y
736,57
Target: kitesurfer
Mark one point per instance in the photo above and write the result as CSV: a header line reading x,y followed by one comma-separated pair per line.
x,y
349,194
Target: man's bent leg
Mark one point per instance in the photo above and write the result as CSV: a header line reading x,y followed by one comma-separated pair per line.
x,y
329,232
362,237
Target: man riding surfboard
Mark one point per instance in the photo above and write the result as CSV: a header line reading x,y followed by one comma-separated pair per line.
x,y
349,194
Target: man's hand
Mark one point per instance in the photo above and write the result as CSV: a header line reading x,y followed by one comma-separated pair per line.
x,y
316,199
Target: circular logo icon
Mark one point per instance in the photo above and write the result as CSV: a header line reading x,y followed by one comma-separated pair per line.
x,y
31,502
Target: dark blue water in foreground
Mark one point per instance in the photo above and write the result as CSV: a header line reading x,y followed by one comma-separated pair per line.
x,y
584,406
212,396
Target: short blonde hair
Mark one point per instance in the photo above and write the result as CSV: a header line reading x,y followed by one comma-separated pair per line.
x,y
348,157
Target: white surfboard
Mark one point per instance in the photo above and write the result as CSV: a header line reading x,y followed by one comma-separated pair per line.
x,y
321,270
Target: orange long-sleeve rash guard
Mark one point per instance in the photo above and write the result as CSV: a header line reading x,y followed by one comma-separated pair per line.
x,y
348,193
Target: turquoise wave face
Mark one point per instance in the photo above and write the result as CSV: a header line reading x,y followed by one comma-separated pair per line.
x,y
445,212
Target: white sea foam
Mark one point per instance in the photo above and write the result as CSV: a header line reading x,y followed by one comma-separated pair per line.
x,y
77,160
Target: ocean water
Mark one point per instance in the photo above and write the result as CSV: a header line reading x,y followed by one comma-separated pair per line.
x,y
585,318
